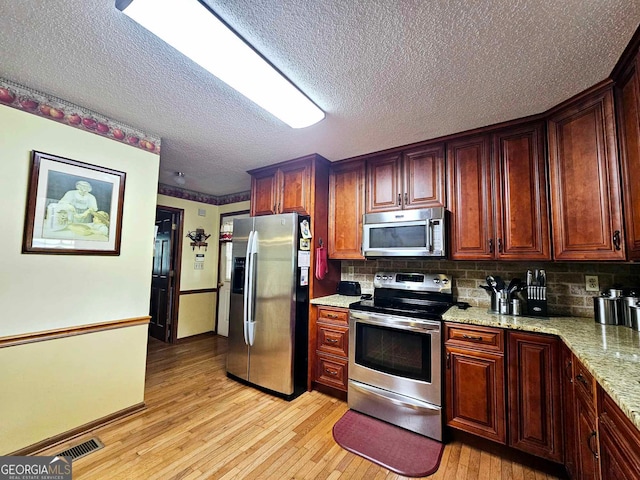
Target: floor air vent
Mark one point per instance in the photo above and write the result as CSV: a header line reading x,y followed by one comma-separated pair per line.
x,y
81,450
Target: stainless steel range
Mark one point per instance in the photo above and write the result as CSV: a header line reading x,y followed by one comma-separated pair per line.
x,y
395,362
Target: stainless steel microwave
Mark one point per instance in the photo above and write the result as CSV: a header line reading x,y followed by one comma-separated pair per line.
x,y
405,233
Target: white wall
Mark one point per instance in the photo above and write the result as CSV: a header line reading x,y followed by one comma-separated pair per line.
x,y
42,292
51,387
196,312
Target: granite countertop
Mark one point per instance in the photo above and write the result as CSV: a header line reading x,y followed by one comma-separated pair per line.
x,y
342,301
610,353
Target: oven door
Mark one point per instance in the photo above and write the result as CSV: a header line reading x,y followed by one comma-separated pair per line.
x,y
397,354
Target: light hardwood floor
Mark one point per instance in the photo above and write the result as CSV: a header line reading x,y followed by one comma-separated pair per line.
x,y
199,424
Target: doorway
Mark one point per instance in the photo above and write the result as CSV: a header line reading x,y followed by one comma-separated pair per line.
x,y
165,274
224,270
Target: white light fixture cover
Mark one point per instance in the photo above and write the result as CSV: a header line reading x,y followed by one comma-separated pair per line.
x,y
193,30
179,178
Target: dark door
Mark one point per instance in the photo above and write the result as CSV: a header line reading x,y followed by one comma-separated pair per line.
x,y
163,276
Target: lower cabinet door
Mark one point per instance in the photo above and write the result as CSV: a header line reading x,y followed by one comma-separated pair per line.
x,y
588,467
535,414
475,398
332,371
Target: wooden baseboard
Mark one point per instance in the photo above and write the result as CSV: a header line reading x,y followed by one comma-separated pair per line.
x,y
198,336
77,432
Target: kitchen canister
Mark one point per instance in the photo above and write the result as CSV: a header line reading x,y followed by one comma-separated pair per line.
x,y
634,313
516,307
625,310
607,310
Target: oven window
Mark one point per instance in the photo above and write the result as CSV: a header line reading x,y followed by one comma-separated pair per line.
x,y
396,352
395,237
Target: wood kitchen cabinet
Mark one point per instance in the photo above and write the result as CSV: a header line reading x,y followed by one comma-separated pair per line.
x,y
300,185
585,432
619,442
474,380
520,185
498,195
406,180
568,411
533,383
329,350
470,202
282,189
346,207
627,94
584,179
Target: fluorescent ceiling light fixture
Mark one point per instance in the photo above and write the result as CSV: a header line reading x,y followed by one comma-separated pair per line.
x,y
194,30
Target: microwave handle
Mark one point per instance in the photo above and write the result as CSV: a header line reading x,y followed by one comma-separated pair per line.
x,y
430,235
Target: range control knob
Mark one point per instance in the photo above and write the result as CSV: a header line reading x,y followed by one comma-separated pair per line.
x,y
436,280
445,280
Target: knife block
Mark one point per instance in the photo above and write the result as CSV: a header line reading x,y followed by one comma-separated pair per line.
x,y
537,301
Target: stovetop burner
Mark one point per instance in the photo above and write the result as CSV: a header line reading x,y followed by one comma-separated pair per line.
x,y
414,295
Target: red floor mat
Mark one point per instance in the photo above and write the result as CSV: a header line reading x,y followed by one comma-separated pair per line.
x,y
399,450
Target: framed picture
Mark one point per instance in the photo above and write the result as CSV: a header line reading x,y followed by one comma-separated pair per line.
x,y
73,208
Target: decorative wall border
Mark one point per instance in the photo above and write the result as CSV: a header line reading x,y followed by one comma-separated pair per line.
x,y
52,108
171,191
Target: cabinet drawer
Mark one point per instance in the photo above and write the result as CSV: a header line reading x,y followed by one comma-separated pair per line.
x,y
332,371
333,339
480,338
585,385
333,315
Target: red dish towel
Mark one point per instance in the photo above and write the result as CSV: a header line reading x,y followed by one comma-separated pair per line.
x,y
322,268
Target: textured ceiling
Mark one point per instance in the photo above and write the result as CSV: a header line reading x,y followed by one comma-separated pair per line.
x,y
386,72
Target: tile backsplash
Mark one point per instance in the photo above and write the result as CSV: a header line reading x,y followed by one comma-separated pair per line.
x,y
566,291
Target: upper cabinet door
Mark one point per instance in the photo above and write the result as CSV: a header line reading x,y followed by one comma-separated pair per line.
x,y
346,206
295,188
423,177
628,110
585,194
264,192
470,198
384,183
522,217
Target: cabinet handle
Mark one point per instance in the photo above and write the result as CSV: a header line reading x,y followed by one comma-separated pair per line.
x,y
331,340
278,206
274,207
471,337
448,361
616,239
582,380
399,199
332,315
491,245
406,198
594,452
500,245
331,372
566,371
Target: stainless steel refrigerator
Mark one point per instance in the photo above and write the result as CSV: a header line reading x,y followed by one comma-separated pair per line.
x,y
268,327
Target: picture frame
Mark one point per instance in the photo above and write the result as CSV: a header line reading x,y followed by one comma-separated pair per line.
x,y
73,207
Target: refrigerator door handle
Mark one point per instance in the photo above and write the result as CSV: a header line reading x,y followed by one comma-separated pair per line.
x,y
252,290
245,298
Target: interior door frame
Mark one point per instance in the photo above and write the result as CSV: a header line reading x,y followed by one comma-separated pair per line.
x,y
176,253
222,217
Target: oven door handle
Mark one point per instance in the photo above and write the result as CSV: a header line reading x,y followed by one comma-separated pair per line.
x,y
390,321
394,398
